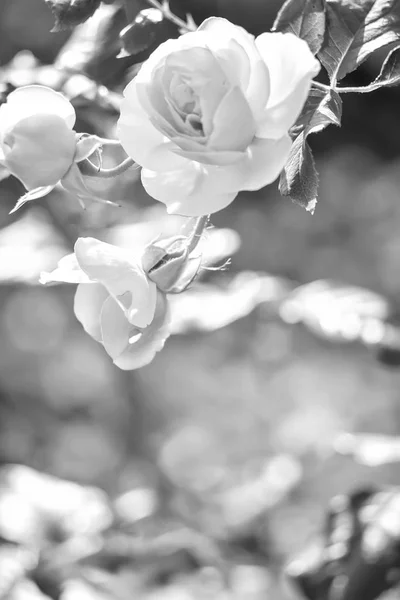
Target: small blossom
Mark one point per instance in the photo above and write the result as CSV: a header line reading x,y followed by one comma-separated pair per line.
x,y
209,114
115,301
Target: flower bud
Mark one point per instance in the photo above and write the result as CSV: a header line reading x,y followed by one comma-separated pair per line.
x,y
37,141
39,150
165,261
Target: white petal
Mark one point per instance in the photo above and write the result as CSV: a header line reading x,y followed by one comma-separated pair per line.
x,y
140,139
265,161
123,277
233,123
67,271
204,189
89,300
142,351
194,191
291,67
115,328
229,41
34,100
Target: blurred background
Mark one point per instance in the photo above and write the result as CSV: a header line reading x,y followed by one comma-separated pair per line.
x,y
222,455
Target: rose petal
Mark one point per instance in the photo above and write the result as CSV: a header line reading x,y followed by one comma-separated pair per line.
x,y
152,340
39,150
265,160
67,271
291,67
140,138
115,328
34,100
123,277
203,189
88,303
230,42
233,123
194,191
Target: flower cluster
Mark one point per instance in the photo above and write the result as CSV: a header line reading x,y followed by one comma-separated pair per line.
x,y
207,115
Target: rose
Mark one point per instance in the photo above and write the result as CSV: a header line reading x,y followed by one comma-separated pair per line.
x,y
208,114
37,143
115,301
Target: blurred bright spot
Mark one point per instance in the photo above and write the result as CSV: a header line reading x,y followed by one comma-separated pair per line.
x,y
77,375
250,581
85,451
28,246
193,458
35,320
369,449
136,504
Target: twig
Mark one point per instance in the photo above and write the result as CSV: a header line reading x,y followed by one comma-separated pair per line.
x,y
186,26
92,171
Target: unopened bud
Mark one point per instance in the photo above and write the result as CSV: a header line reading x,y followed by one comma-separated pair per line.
x,y
165,261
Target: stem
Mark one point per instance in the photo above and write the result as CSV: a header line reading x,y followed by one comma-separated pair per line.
x,y
195,236
349,90
164,8
92,171
106,142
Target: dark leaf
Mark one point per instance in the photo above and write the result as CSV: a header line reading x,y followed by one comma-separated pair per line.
x,y
142,33
70,13
356,29
304,18
359,550
299,180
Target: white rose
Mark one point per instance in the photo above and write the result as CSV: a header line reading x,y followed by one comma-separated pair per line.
x,y
208,114
115,301
37,142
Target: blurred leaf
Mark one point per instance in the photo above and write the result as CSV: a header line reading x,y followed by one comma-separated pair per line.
x,y
337,312
299,179
304,18
93,47
142,33
358,555
4,172
356,29
29,246
70,13
368,449
208,307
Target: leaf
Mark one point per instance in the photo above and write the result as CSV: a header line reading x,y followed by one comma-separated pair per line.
x,y
70,13
142,33
35,194
299,179
304,18
372,450
75,184
390,71
86,145
337,312
356,29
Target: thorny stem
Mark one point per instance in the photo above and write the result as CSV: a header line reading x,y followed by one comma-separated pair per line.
x,y
195,236
164,8
92,171
348,90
